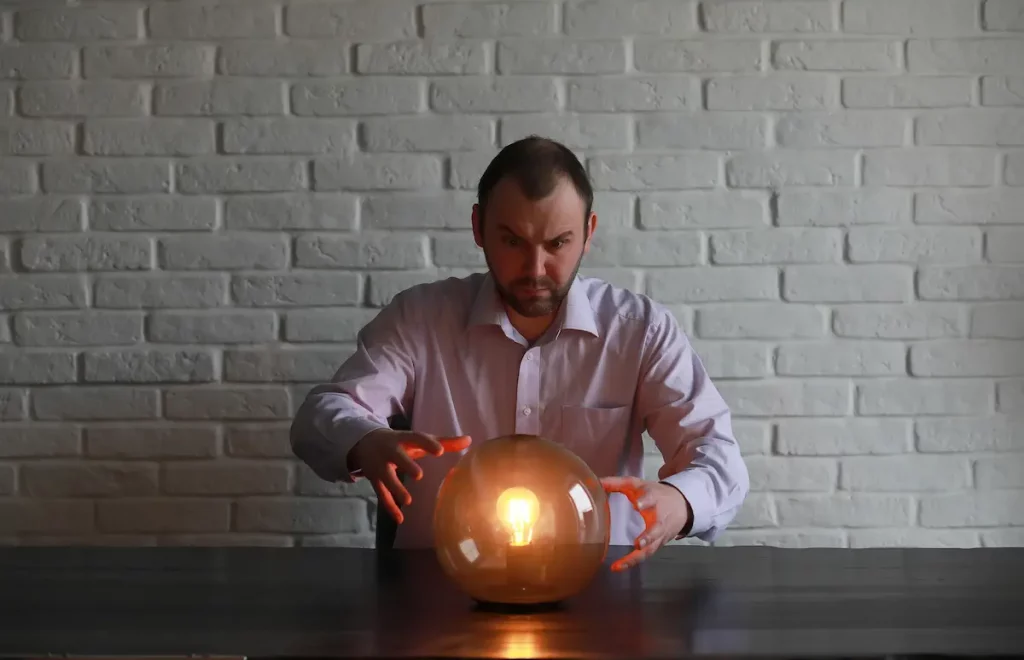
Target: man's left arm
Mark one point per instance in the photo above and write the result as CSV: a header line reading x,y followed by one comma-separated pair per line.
x,y
691,424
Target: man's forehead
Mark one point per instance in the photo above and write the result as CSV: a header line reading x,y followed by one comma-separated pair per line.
x,y
561,212
562,193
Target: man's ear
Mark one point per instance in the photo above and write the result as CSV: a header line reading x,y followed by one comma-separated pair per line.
x,y
590,225
478,234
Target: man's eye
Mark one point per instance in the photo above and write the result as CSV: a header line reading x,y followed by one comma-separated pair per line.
x,y
511,241
559,243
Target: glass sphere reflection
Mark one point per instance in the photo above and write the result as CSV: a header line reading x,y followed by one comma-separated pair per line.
x,y
521,520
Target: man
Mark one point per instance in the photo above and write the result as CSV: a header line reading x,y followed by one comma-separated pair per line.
x,y
530,347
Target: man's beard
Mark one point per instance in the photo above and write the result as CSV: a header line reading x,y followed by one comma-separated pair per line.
x,y
535,306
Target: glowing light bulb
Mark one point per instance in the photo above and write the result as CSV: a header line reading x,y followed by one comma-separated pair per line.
x,y
503,543
518,509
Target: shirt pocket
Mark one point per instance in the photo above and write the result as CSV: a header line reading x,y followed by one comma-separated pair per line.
x,y
597,435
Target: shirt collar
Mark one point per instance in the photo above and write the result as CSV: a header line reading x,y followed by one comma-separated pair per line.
x,y
576,314
487,308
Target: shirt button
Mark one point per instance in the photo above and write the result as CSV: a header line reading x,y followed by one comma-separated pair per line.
x,y
529,357
526,411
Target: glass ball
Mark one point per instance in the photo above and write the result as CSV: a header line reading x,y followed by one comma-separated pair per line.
x,y
521,520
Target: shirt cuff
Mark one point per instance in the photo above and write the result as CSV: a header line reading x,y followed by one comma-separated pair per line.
x,y
333,448
694,485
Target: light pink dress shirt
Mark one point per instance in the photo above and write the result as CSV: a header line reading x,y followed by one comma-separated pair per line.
x,y
614,364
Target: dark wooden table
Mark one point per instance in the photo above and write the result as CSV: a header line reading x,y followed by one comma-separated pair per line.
x,y
686,601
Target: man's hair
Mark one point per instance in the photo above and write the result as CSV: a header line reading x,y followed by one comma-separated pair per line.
x,y
537,165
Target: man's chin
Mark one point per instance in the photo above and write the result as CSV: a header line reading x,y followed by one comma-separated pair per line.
x,y
528,293
534,306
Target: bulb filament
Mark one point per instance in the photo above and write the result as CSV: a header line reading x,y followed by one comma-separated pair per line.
x,y
518,510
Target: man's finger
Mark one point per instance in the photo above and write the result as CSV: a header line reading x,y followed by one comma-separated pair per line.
x,y
650,517
456,443
394,484
401,460
626,562
633,558
649,535
436,447
634,489
384,499
418,445
628,486
619,482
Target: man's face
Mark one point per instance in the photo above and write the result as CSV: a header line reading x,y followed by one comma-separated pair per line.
x,y
533,248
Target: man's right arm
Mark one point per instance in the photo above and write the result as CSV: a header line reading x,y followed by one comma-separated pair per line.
x,y
375,383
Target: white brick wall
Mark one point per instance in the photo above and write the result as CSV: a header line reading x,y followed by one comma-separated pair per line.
x,y
202,202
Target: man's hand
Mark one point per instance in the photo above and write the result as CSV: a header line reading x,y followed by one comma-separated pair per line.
x,y
380,454
664,509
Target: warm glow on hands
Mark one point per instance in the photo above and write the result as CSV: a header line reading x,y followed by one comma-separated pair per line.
x,y
381,454
518,509
664,509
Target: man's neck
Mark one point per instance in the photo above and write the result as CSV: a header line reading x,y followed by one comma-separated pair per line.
x,y
531,327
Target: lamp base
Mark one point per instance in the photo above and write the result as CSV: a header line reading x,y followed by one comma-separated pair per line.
x,y
517,608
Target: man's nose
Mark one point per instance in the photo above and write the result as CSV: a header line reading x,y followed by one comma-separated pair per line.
x,y
535,263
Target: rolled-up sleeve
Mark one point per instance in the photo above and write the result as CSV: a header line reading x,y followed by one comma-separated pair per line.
x,y
375,383
702,457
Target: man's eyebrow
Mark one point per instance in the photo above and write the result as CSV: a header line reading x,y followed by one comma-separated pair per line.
x,y
564,234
